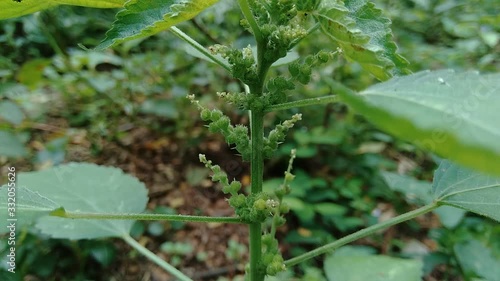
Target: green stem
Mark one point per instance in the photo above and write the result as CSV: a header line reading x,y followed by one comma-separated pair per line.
x,y
247,12
360,234
257,174
304,102
186,38
157,217
154,258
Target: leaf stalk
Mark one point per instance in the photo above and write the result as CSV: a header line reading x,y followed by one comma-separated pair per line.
x,y
360,234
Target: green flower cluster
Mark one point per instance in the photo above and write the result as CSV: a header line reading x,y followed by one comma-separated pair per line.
x,y
277,135
219,176
220,123
276,88
240,100
272,260
251,208
301,71
242,62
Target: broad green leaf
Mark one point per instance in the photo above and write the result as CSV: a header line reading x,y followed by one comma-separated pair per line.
x,y
330,209
364,36
29,205
452,114
467,189
477,260
11,145
10,112
373,268
12,9
88,188
147,17
31,73
420,193
416,191
450,216
162,108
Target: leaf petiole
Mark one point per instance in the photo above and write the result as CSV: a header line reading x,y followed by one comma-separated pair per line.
x,y
106,216
361,233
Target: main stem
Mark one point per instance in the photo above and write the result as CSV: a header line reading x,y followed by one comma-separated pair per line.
x,y
257,140
257,174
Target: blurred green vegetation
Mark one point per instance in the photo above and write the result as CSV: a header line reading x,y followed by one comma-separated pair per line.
x,y
54,94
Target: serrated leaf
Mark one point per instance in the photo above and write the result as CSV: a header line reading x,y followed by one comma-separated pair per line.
x,y
12,9
452,114
147,17
87,188
373,268
467,189
11,145
364,36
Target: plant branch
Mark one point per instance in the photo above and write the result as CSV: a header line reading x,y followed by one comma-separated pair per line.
x,y
247,12
186,38
360,234
302,103
106,216
154,258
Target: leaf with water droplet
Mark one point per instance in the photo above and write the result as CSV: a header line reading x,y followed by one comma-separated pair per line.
x,y
453,114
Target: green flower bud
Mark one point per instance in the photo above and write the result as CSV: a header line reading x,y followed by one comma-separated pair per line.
x,y
260,205
294,69
223,123
323,56
278,258
215,115
267,259
235,186
203,159
237,201
267,239
205,114
275,268
284,208
279,221
270,243
280,192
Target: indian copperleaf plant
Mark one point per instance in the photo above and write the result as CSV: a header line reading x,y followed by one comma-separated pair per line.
x,y
453,114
